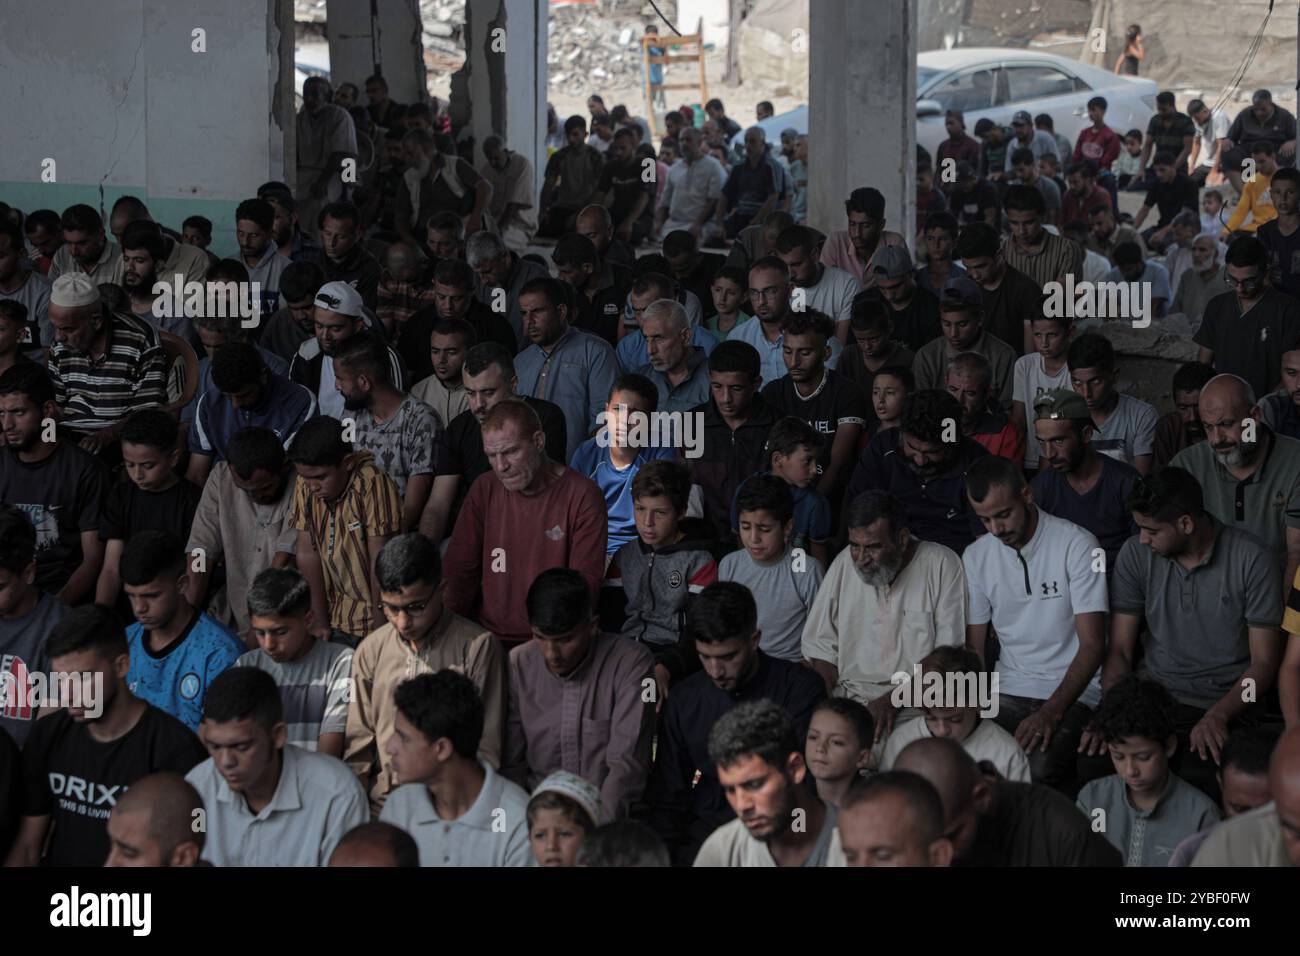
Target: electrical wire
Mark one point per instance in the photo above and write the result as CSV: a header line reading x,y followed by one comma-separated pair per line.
x,y
664,18
1251,51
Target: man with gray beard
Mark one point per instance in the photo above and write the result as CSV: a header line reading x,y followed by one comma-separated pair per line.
x,y
887,601
1249,474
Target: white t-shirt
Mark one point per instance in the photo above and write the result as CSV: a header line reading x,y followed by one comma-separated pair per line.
x,y
989,742
1209,135
1130,431
1031,597
833,295
1029,380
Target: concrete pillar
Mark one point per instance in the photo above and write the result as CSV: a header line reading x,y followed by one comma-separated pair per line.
x,y
362,34
504,78
862,108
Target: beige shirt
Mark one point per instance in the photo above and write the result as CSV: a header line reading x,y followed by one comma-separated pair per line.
x,y
229,522
383,660
872,633
1252,839
448,403
731,845
107,269
930,367
512,185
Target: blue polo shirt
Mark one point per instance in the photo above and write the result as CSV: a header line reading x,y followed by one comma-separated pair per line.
x,y
284,408
592,461
176,679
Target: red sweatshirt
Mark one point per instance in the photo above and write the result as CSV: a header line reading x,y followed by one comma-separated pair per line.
x,y
1101,146
503,540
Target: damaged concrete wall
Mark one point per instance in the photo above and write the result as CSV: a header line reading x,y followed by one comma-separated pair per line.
x,y
116,96
394,33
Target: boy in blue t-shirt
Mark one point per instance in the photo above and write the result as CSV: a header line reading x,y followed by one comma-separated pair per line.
x,y
176,650
613,458
792,448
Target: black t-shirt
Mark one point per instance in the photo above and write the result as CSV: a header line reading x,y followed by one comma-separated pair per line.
x,y
413,341
128,509
1103,510
460,447
1033,825
1283,257
838,401
63,496
626,181
602,314
969,206
1278,129
1016,300
1251,345
11,790
76,780
1169,134
1172,198
852,368
918,322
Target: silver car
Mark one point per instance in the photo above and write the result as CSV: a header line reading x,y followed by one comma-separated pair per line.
x,y
997,83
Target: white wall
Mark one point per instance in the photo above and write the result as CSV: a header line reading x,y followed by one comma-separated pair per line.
x,y
113,92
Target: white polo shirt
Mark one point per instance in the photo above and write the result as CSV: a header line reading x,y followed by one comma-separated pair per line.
x,y
1031,597
317,801
493,832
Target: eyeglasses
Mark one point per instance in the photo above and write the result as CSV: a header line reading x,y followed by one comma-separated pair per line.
x,y
415,607
1232,283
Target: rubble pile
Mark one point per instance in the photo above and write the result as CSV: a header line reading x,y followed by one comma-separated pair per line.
x,y
597,46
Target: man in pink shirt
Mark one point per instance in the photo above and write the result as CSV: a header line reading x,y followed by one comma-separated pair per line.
x,y
529,515
851,249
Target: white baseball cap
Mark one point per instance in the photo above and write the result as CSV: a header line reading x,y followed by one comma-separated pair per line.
x,y
339,297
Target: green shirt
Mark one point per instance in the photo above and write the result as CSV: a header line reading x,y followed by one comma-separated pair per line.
x,y
711,323
1265,504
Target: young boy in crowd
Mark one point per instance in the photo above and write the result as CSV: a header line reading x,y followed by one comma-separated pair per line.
x,y
345,509
1128,165
982,739
1148,808
176,650
612,461
313,676
871,350
1039,371
783,583
889,389
1182,427
561,812
792,448
838,746
197,231
17,335
1212,218
659,571
155,499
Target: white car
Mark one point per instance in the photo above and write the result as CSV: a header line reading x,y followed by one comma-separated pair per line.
x,y
996,83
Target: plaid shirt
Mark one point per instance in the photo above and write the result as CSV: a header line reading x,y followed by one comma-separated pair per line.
x,y
94,393
398,301
369,507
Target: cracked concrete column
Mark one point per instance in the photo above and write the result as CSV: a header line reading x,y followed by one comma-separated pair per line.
x,y
862,108
394,34
502,87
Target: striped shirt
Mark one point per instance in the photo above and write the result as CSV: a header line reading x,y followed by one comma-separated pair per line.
x,y
313,690
369,507
131,374
1051,263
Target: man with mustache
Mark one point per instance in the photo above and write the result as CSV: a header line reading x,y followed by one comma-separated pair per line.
x,y
858,633
1250,475
1035,578
923,463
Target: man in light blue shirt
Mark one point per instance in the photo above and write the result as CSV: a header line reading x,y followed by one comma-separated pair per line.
x,y
563,365
650,288
677,369
769,293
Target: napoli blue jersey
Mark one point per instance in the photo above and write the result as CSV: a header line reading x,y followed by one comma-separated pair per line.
x,y
176,680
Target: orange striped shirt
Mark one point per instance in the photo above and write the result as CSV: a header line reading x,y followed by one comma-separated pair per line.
x,y
369,507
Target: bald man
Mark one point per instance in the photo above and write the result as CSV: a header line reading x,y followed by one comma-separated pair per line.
x,y
1249,475
1270,835
376,844
992,822
894,819
159,821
